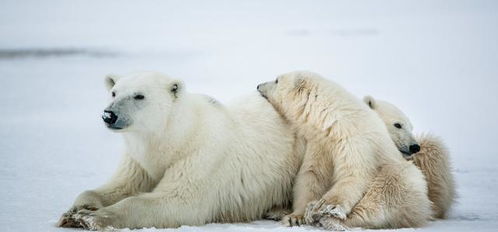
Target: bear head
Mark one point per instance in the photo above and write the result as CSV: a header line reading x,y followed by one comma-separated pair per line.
x,y
290,93
140,101
398,125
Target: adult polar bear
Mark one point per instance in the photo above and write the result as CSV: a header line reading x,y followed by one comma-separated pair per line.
x,y
189,160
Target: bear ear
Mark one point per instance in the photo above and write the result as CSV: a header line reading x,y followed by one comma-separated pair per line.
x,y
370,101
176,88
110,80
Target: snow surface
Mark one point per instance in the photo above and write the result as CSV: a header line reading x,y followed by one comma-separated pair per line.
x,y
437,60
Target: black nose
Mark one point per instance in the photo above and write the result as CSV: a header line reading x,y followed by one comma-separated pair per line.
x,y
258,87
109,117
414,148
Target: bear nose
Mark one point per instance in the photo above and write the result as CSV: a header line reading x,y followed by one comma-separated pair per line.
x,y
414,148
109,117
258,86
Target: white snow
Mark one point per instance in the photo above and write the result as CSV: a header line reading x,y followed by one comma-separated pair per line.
x,y
437,60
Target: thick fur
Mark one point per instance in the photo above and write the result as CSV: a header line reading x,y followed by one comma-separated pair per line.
x,y
190,160
392,116
432,159
393,200
352,174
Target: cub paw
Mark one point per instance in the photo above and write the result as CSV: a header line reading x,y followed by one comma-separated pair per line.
x,y
333,210
276,214
292,220
315,210
311,215
331,223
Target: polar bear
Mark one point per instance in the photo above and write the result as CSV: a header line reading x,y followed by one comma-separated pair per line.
x,y
429,154
397,123
189,159
352,174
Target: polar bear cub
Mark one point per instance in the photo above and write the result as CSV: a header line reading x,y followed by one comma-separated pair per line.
x,y
429,154
189,160
352,174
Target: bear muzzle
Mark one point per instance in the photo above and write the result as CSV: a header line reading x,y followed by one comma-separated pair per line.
x,y
263,89
109,117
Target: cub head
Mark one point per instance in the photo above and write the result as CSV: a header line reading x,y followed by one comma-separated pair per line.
x,y
398,125
140,101
289,93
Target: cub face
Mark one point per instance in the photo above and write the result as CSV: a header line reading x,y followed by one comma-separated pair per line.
x,y
140,101
288,93
398,125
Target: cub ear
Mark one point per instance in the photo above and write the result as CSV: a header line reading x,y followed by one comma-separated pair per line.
x,y
176,88
370,101
110,80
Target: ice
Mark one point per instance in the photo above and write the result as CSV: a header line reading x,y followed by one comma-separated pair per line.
x,y
436,60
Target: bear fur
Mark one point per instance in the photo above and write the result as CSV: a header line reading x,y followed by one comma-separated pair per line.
x,y
189,159
352,174
432,159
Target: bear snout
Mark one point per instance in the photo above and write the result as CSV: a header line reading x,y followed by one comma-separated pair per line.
x,y
109,117
414,148
259,88
263,89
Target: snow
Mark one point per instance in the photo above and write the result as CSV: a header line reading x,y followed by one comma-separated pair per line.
x,y
434,59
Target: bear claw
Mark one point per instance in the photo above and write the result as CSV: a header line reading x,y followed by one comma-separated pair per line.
x,y
292,220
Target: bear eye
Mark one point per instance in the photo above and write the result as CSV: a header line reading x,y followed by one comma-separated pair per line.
x,y
139,97
113,94
397,125
276,81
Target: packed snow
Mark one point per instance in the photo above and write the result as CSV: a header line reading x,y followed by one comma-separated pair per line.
x,y
436,60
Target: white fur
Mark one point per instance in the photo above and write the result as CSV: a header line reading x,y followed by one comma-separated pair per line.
x,y
391,115
432,159
352,174
190,160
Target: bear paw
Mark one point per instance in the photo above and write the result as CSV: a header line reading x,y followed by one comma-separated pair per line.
x,y
94,220
332,223
333,210
292,220
276,214
315,210
66,219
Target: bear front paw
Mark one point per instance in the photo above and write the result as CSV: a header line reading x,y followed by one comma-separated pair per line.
x,y
333,210
276,214
315,210
66,219
94,220
311,215
332,223
292,220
